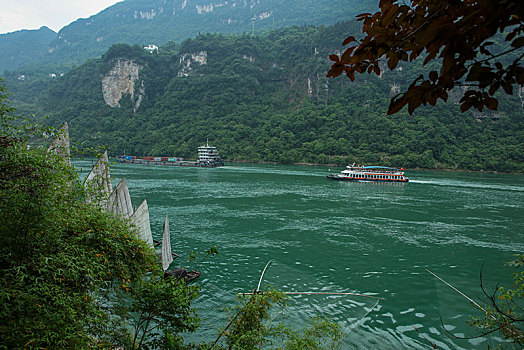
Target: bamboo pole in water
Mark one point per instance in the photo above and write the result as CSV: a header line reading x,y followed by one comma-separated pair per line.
x,y
324,293
464,295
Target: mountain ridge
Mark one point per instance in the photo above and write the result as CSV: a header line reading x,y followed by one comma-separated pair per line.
x,y
156,22
23,46
265,98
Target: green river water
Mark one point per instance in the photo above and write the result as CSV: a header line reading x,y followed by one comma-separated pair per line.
x,y
329,236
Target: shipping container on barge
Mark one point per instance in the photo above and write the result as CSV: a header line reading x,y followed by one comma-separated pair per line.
x,y
370,173
208,157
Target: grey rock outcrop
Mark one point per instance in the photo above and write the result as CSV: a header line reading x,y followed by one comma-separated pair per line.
x,y
121,80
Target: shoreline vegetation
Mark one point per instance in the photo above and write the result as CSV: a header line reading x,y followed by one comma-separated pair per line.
x,y
333,165
265,109
64,242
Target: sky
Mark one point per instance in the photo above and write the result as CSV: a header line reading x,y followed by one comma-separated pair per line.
x,y
55,14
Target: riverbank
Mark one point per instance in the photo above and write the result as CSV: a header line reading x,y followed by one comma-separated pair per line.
x,y
333,165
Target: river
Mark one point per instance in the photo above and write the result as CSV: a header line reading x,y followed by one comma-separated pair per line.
x,y
329,236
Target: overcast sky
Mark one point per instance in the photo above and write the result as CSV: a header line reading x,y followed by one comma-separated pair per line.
x,y
55,14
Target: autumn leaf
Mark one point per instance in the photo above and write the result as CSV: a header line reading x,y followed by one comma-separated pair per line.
x,y
396,104
335,70
458,35
433,76
393,61
519,42
492,103
348,40
334,58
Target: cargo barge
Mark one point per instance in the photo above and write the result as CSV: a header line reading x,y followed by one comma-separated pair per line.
x,y
208,157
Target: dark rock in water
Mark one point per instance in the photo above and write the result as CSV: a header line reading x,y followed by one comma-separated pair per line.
x,y
182,273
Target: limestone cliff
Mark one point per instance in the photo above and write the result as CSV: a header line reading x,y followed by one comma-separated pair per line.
x,y
120,80
186,60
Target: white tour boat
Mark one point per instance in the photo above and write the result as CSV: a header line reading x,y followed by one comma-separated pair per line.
x,y
370,173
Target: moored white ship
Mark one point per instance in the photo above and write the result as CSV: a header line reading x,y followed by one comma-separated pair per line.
x,y
370,173
208,157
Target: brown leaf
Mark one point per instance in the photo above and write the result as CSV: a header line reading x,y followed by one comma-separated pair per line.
x,y
432,99
363,15
465,106
413,103
393,61
508,87
334,58
415,81
347,54
335,70
519,75
350,73
510,36
433,76
492,103
494,87
389,15
519,42
385,3
348,40
396,104
429,57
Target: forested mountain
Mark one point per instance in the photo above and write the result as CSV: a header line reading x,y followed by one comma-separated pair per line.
x,y
145,22
23,47
266,98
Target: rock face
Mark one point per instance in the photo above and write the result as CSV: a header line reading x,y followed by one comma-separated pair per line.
x,y
187,59
120,80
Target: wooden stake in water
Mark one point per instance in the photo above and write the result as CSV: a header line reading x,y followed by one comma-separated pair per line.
x,y
234,318
262,275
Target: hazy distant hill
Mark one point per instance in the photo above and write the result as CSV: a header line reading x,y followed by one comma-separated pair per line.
x,y
156,22
266,98
22,47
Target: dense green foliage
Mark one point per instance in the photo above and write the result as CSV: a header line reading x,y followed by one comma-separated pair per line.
x,y
255,103
56,253
250,327
145,22
74,276
72,273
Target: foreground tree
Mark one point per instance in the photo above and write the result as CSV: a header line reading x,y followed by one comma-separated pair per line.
x,y
72,274
251,328
462,34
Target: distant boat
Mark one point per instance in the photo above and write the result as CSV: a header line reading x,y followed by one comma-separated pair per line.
x,y
208,157
370,173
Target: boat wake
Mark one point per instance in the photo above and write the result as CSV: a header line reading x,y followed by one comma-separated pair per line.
x,y
463,184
